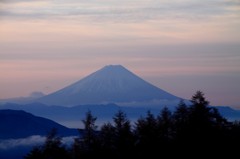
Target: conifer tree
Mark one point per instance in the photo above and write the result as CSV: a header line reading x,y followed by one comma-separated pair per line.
x,y
165,124
123,134
146,135
86,145
52,148
146,129
181,120
108,141
89,136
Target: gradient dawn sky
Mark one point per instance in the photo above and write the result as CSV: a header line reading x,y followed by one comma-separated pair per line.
x,y
178,45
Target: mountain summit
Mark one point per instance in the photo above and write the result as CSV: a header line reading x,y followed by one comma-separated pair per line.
x,y
111,84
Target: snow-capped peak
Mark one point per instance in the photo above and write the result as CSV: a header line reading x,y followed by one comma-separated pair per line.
x,y
110,84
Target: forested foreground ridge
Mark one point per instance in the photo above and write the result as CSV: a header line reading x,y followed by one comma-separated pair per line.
x,y
192,131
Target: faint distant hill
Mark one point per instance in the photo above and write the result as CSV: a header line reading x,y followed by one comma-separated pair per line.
x,y
23,100
111,84
20,124
72,116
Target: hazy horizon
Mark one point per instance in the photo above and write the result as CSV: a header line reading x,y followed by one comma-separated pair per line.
x,y
179,46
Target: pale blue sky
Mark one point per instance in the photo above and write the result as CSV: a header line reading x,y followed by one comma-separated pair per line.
x,y
180,45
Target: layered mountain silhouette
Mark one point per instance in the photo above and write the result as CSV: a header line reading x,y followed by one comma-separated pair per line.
x,y
20,124
111,84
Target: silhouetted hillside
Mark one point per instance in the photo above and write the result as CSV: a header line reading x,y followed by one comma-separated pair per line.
x,y
20,124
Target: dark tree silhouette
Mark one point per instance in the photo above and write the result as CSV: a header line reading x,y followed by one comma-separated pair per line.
x,y
146,129
52,148
194,129
198,99
86,145
35,153
107,135
108,141
123,134
146,136
206,126
165,125
181,113
181,121
89,135
165,131
200,115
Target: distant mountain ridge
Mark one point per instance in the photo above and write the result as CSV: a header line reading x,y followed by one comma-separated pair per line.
x,y
111,84
72,116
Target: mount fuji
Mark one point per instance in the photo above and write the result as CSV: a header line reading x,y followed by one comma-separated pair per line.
x,y
104,92
111,84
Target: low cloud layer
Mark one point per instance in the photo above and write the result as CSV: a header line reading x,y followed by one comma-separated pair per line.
x,y
30,141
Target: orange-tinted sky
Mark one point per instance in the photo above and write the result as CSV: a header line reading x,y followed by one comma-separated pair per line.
x,y
180,45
